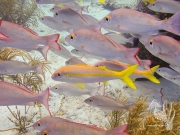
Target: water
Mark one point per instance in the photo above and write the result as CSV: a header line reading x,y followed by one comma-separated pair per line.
x,y
74,108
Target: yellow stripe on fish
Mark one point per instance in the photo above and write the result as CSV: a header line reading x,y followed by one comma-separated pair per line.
x,y
90,74
102,1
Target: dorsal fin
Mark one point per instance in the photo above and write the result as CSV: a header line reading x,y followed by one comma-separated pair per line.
x,y
20,87
30,30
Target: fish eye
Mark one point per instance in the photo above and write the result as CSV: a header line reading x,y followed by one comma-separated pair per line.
x,y
126,87
159,70
56,87
39,124
45,133
107,18
59,74
76,50
56,13
72,36
151,42
42,18
153,4
90,99
174,78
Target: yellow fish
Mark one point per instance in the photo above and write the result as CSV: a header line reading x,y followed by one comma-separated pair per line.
x,y
91,74
149,1
117,66
102,1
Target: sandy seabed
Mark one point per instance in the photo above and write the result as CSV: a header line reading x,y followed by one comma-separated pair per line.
x,y
73,108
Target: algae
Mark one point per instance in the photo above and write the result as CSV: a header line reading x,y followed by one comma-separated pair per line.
x,y
143,121
21,121
24,12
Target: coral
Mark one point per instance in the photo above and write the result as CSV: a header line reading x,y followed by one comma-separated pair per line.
x,y
59,112
22,122
152,120
24,12
136,115
116,118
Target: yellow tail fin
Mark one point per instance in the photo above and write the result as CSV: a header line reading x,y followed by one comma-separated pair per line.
x,y
150,74
102,1
124,75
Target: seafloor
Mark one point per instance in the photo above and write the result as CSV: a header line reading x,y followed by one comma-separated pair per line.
x,y
73,108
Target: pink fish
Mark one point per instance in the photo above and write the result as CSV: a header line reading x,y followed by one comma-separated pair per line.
x,y
90,19
72,128
135,22
66,16
24,38
98,44
53,24
70,89
2,36
143,90
73,61
13,67
85,55
164,45
12,94
106,103
46,121
165,48
63,52
74,5
52,1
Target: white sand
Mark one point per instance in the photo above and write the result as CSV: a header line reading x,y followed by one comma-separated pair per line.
x,y
73,107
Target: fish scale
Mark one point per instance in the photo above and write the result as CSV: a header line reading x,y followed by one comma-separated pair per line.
x,y
95,43
91,74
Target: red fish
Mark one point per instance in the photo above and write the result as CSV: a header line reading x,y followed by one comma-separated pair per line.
x,y
72,128
12,94
24,38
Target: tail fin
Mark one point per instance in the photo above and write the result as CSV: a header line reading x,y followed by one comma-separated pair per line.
x,y
100,90
129,106
120,130
94,92
52,41
43,50
102,2
39,68
85,9
45,99
173,24
131,55
149,74
2,36
144,63
124,75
